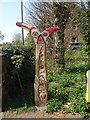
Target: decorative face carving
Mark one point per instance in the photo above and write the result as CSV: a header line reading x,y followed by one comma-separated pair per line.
x,y
39,38
41,78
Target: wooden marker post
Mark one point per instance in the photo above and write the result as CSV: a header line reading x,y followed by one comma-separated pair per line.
x,y
41,83
88,86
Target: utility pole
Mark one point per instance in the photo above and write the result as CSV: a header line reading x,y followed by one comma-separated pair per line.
x,y
22,20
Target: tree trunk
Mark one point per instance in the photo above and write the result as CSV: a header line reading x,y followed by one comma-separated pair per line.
x,y
59,52
62,14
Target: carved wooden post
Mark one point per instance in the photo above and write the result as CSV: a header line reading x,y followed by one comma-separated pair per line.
x,y
88,86
41,83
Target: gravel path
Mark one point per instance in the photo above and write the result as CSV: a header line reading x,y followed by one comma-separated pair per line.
x,y
38,114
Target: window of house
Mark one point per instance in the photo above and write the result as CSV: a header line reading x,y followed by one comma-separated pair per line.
x,y
74,27
74,40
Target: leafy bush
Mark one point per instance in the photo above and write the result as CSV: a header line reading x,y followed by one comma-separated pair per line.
x,y
69,87
58,93
21,72
54,105
79,105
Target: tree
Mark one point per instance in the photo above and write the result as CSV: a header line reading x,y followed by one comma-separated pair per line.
x,y
83,10
62,13
39,14
44,15
16,39
1,36
28,40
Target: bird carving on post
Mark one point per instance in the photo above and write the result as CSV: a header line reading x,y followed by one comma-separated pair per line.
x,y
41,83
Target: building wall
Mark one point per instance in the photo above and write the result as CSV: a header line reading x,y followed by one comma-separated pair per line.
x,y
72,31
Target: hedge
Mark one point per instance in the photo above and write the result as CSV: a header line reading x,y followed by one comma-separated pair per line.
x,y
21,72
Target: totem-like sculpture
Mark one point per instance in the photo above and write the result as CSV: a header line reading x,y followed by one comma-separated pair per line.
x,y
41,83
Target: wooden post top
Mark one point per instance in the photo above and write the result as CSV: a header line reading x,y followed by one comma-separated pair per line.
x,y
39,38
88,74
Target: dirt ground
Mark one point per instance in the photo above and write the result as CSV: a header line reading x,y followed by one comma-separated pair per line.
x,y
37,114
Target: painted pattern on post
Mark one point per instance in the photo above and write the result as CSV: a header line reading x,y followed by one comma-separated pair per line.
x,y
42,80
41,83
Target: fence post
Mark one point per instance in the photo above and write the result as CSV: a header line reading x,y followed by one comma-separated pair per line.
x,y
88,86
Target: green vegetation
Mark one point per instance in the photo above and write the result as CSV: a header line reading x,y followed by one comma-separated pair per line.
x,y
20,77
83,22
67,89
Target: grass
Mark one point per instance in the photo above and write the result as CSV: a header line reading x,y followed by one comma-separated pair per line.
x,y
68,88
23,109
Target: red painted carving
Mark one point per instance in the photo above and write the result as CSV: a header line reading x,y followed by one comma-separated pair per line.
x,y
51,30
40,40
41,82
42,88
35,34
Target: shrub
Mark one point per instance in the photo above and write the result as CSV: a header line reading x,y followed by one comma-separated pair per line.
x,y
54,105
69,87
21,72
